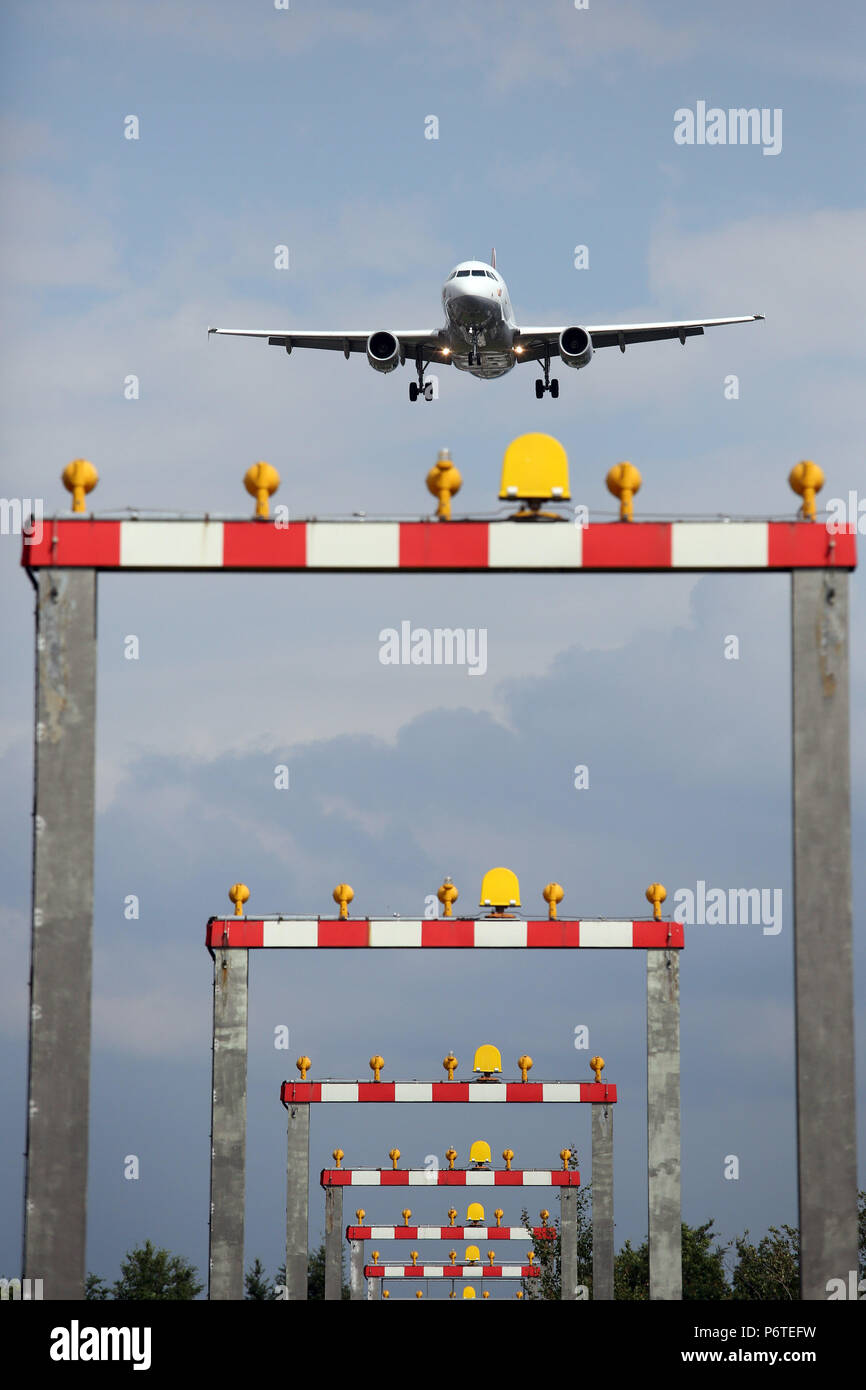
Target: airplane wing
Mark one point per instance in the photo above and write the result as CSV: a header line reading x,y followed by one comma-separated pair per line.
x,y
346,341
536,341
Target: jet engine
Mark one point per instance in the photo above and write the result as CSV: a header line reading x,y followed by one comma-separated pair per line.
x,y
383,351
575,347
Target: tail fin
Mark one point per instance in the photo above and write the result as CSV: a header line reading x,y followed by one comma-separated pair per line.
x,y
493,258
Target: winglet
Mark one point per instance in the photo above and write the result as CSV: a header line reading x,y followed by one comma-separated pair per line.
x,y
493,257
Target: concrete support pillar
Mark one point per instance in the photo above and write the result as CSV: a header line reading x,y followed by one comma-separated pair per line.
x,y
568,1242
228,1123
55,1212
297,1201
663,1124
602,1201
374,1289
822,931
356,1271
334,1243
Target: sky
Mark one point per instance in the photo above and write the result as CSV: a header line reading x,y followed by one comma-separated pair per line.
x,y
305,128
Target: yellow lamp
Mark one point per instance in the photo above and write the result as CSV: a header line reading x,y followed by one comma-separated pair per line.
x,y
500,889
238,894
475,1213
473,1255
656,894
79,477
479,1152
260,482
488,1059
303,1065
807,479
534,469
447,895
552,894
343,894
444,481
624,481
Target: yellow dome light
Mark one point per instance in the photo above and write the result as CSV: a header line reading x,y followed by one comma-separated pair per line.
x,y
479,1152
443,481
238,894
343,894
534,470
469,1292
500,889
656,894
260,482
624,481
488,1059
472,1256
475,1213
805,478
79,477
552,894
447,895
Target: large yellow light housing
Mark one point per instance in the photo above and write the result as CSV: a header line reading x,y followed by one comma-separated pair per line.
x,y
487,1059
535,468
500,888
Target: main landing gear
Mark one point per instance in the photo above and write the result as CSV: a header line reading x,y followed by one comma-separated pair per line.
x,y
421,388
547,384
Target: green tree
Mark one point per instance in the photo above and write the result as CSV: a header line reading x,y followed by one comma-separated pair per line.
x,y
148,1274
256,1284
703,1267
769,1270
95,1287
547,1251
316,1275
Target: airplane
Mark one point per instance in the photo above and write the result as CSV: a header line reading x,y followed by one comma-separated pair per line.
x,y
481,335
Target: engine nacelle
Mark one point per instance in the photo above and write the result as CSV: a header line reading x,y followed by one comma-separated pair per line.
x,y
575,347
383,351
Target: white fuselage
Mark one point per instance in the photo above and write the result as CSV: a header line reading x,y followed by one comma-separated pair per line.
x,y
479,321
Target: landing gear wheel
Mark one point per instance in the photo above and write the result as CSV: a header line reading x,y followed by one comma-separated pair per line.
x,y
554,388
539,389
428,391
413,391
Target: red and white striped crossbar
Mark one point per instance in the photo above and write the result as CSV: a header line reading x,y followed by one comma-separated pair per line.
x,y
449,1233
201,544
449,1177
441,933
447,1092
452,1271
